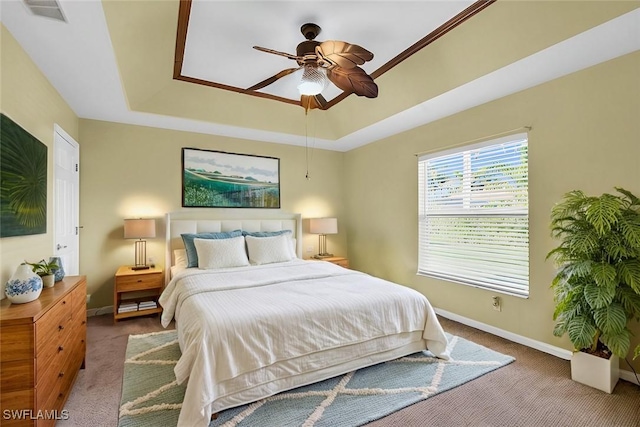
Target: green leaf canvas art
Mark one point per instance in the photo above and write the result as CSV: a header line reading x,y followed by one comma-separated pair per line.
x,y
23,181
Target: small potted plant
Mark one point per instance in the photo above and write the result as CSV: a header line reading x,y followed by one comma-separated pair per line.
x,y
597,286
46,270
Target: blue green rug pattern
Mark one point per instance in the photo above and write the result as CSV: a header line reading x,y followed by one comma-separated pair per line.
x,y
151,396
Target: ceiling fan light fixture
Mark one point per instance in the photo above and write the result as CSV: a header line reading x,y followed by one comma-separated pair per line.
x,y
314,80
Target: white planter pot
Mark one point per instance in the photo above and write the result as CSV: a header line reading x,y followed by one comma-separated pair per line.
x,y
49,280
595,371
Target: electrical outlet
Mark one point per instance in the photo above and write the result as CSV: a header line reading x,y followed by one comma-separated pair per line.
x,y
497,304
88,298
309,249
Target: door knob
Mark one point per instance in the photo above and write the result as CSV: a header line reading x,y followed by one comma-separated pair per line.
x,y
60,246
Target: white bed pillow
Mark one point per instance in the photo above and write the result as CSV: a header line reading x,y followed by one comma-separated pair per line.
x,y
267,250
180,258
221,253
294,248
176,269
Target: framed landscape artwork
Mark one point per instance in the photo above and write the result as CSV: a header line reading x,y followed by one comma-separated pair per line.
x,y
215,179
23,174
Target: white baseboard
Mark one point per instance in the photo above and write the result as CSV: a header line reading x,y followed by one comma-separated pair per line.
x,y
99,311
538,345
629,376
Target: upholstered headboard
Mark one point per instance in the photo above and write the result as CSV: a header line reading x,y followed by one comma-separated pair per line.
x,y
200,221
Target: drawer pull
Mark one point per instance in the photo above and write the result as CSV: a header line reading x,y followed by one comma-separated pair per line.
x,y
60,348
60,327
60,396
61,374
64,301
139,280
83,322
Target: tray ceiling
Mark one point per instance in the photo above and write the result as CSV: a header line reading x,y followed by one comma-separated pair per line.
x,y
114,60
214,42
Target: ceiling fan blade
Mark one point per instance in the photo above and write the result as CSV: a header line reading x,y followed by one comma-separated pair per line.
x,y
276,52
272,79
342,54
353,80
310,102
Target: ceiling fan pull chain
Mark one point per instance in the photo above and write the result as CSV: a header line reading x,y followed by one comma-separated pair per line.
x,y
306,138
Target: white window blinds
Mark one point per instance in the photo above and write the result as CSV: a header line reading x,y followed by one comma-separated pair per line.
x,y
474,215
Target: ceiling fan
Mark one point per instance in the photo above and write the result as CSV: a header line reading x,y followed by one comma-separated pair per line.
x,y
334,60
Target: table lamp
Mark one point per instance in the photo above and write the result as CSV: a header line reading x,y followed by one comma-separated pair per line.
x,y
322,227
140,229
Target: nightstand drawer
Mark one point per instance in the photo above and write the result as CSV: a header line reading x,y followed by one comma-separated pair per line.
x,y
337,260
140,282
342,263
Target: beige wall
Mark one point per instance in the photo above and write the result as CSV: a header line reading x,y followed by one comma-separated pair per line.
x,y
134,171
28,99
586,135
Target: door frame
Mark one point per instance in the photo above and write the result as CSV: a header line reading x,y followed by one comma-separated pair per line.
x,y
59,131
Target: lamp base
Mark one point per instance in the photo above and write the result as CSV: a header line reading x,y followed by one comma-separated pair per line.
x,y
322,256
140,267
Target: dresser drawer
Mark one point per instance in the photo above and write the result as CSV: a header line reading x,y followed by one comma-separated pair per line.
x,y
79,317
140,282
17,401
48,384
55,353
16,342
55,384
78,334
16,374
79,299
51,326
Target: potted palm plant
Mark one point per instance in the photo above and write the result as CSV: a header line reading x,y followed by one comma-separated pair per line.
x,y
597,286
46,270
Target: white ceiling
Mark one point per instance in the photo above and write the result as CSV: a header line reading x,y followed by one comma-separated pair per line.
x,y
78,58
212,54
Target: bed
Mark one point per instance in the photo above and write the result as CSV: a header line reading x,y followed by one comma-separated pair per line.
x,y
247,332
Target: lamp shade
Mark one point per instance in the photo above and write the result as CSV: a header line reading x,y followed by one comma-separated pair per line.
x,y
323,225
139,228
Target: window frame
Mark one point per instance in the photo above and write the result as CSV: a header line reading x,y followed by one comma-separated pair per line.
x,y
517,268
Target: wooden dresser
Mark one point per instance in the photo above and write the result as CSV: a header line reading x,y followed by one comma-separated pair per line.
x,y
42,348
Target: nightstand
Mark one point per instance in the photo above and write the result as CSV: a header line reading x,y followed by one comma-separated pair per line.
x,y
338,260
134,290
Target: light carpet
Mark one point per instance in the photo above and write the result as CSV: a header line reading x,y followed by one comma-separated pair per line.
x,y
151,396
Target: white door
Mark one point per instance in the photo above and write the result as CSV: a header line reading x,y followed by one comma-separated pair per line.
x,y
66,193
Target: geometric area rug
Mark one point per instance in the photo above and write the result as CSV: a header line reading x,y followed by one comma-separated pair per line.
x,y
151,397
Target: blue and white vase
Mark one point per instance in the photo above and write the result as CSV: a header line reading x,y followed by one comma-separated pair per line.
x,y
24,286
59,272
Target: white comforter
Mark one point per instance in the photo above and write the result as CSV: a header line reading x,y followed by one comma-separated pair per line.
x,y
260,325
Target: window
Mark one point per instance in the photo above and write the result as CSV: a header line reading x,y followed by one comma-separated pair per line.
x,y
474,215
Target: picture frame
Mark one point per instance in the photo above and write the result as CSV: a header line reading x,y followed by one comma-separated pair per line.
x,y
218,179
23,172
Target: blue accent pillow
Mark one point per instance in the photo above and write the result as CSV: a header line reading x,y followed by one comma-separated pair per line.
x,y
265,233
190,247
